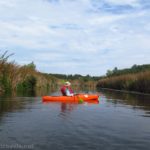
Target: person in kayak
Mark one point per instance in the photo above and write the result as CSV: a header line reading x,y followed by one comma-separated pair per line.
x,y
66,89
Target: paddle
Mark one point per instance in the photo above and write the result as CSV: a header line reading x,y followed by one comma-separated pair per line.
x,y
79,98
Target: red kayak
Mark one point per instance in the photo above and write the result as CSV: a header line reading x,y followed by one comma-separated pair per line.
x,y
73,99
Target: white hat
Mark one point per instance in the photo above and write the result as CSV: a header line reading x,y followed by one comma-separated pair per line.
x,y
67,83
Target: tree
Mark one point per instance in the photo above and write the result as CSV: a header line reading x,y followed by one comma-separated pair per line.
x,y
31,65
109,73
115,70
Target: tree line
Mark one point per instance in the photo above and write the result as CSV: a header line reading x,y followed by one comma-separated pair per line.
x,y
76,77
134,69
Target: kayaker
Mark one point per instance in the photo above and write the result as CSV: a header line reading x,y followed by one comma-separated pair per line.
x,y
66,89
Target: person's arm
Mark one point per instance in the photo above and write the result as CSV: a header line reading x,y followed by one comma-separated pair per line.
x,y
68,92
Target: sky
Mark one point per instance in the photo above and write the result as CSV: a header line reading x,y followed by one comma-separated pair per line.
x,y
76,36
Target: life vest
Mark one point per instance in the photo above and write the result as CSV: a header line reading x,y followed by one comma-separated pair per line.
x,y
63,90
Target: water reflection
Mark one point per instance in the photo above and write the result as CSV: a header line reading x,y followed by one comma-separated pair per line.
x,y
14,104
67,107
136,101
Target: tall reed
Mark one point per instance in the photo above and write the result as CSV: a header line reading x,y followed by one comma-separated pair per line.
x,y
21,78
139,82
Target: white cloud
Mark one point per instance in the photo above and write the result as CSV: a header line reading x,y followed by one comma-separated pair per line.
x,y
71,34
124,2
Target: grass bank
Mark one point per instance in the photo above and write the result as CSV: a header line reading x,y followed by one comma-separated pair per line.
x,y
15,78
138,82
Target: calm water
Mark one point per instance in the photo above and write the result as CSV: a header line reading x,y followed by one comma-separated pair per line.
x,y
120,121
